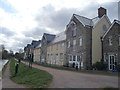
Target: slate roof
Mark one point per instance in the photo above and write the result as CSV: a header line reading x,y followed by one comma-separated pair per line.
x,y
59,37
35,43
115,21
38,45
83,20
49,37
89,22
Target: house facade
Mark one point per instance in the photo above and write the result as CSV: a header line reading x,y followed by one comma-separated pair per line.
x,y
100,26
111,45
37,53
83,37
29,50
46,39
56,50
78,38
82,44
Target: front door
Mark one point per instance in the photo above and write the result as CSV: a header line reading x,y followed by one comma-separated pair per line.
x,y
111,62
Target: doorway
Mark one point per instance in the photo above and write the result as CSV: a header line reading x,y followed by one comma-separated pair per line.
x,y
111,62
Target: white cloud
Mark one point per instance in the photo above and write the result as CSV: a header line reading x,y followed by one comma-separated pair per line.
x,y
23,20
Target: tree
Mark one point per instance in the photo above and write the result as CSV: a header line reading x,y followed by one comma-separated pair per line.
x,y
19,55
5,54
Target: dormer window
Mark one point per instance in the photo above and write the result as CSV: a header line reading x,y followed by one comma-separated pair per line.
x,y
110,41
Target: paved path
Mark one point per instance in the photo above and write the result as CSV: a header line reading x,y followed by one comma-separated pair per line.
x,y
6,82
69,79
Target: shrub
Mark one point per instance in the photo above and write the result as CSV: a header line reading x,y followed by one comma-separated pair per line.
x,y
117,67
100,66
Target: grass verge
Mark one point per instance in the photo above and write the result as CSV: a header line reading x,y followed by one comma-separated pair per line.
x,y
32,78
81,71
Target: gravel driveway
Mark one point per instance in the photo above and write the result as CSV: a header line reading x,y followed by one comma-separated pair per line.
x,y
69,79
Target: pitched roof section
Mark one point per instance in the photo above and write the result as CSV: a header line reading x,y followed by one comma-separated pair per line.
x,y
49,37
59,37
89,22
35,43
115,21
95,21
83,20
39,45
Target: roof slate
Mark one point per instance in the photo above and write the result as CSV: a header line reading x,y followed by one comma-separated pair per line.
x,y
49,37
35,43
115,21
59,37
86,21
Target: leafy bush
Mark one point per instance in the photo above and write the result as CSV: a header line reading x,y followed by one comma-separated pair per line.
x,y
117,67
100,66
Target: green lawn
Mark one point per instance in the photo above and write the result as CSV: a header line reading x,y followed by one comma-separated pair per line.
x,y
82,71
32,78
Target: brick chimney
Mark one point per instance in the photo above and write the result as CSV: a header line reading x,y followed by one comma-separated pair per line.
x,y
101,12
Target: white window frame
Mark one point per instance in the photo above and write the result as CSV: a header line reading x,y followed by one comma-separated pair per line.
x,y
74,44
74,29
80,41
61,56
110,41
105,58
73,58
68,43
112,63
63,45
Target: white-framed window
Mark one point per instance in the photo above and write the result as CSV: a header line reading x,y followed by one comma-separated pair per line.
x,y
74,58
110,41
70,57
119,41
74,29
74,45
61,56
74,42
105,57
80,41
78,58
68,43
62,45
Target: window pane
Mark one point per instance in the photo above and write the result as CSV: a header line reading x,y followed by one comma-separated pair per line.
x,y
73,58
78,58
80,41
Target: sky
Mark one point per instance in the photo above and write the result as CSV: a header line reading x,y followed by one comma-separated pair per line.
x,y
22,21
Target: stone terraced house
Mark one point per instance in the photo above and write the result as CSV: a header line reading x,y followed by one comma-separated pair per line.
x,y
46,39
56,50
83,37
37,53
29,50
84,42
111,45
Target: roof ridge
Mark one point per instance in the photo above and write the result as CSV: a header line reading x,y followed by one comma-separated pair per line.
x,y
118,21
95,17
82,16
49,34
